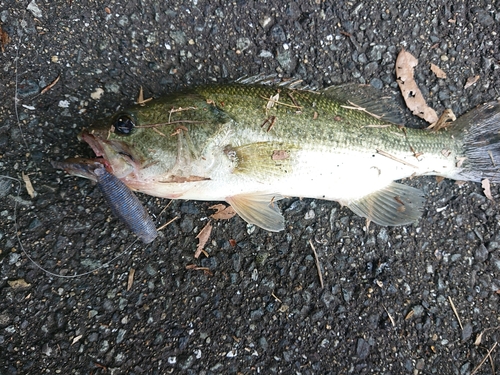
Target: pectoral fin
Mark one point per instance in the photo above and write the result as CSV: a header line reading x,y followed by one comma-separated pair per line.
x,y
259,209
397,204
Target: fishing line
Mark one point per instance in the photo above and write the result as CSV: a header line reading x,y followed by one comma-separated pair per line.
x,y
16,227
17,197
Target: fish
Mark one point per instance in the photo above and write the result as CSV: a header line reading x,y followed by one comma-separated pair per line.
x,y
122,201
252,144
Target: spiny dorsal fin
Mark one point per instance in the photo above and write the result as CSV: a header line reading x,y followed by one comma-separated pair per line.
x,y
259,209
372,100
397,204
270,80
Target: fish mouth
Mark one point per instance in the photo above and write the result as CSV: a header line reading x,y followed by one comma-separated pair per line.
x,y
117,157
81,167
91,140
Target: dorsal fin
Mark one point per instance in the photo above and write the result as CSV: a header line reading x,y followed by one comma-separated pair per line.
x,y
271,80
369,98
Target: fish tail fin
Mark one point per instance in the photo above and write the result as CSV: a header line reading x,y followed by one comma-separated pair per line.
x,y
480,129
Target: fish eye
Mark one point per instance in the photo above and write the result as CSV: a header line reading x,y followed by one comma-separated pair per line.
x,y
124,125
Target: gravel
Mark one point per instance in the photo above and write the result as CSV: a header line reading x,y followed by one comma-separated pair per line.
x,y
385,306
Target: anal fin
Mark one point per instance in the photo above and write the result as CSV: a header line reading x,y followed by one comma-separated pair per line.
x,y
396,204
259,209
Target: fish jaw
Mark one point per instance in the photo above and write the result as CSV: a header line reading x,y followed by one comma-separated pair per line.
x,y
120,160
80,167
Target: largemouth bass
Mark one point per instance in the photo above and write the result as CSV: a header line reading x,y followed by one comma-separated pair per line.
x,y
253,144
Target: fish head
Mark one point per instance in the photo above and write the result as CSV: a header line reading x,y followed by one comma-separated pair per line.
x,y
132,146
165,147
113,143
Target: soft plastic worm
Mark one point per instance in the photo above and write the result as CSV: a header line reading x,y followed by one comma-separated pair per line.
x,y
126,206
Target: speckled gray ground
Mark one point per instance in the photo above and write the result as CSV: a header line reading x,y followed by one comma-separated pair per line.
x,y
385,306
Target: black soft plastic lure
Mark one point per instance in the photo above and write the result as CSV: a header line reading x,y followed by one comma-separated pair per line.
x,y
122,201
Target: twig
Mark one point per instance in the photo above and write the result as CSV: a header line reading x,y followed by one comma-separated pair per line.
x,y
169,123
180,109
159,132
168,223
317,264
378,126
476,369
392,157
281,103
50,85
456,312
165,208
276,298
356,107
140,100
480,336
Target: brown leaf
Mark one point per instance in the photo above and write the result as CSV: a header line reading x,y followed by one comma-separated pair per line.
x,y
471,81
438,71
486,188
130,280
4,39
439,179
203,238
29,186
223,212
479,338
409,89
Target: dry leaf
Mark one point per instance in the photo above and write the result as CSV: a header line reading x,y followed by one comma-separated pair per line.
x,y
203,237
218,207
223,212
486,187
29,186
4,39
76,339
438,71
445,120
409,89
130,280
471,81
479,338
17,284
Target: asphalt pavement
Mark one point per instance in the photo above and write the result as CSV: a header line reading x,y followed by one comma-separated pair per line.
x,y
417,299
